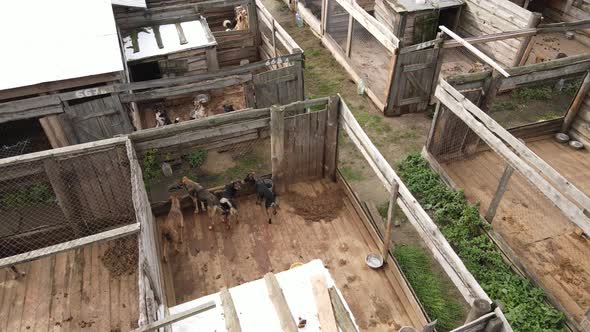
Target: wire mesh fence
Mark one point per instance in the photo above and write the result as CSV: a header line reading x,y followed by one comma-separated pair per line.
x,y
54,199
15,149
337,23
371,60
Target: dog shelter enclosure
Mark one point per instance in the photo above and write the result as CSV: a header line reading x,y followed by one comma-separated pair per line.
x,y
258,66
531,189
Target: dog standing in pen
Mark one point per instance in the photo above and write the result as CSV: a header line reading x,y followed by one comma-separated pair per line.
x,y
206,201
173,228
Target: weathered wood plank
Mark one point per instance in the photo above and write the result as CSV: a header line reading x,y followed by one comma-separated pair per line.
x,y
280,303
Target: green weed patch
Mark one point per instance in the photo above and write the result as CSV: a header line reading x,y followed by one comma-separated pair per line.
x,y
460,223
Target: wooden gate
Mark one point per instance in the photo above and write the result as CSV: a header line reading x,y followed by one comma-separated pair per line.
x,y
97,119
412,81
278,87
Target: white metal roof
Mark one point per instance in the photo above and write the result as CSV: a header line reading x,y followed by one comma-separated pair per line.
x,y
254,307
196,33
130,3
44,41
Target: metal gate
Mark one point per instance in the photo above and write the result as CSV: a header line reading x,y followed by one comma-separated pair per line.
x,y
412,81
278,87
97,119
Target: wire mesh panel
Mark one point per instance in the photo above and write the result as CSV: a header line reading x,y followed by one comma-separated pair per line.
x,y
337,23
55,199
314,6
15,149
371,60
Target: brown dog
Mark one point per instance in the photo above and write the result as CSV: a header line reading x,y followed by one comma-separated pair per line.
x,y
173,228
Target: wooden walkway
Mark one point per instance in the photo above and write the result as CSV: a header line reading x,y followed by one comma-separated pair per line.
x,y
210,260
538,233
71,291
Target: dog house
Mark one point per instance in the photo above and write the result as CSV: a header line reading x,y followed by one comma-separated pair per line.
x,y
417,21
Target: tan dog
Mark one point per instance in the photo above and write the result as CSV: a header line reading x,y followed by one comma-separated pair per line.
x,y
172,228
241,19
204,200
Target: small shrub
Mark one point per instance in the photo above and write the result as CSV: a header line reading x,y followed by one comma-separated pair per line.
x,y
536,93
570,88
151,168
197,158
27,196
503,105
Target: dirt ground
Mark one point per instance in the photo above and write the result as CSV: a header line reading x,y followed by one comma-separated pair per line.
x,y
313,209
547,46
121,257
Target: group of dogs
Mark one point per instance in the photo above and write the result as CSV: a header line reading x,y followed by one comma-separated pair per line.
x,y
222,204
199,111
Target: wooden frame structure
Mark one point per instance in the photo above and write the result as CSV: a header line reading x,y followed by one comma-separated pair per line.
x,y
273,73
559,191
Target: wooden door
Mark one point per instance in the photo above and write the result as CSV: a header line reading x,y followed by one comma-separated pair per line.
x,y
412,82
97,119
278,87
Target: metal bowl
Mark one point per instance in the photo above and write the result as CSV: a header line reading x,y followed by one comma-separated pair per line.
x,y
577,145
374,261
562,137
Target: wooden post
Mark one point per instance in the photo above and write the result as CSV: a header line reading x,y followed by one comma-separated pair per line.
x,y
430,327
323,303
572,111
479,308
494,325
232,322
274,37
277,145
331,140
394,73
527,45
432,127
349,36
299,65
65,197
54,131
389,222
280,303
342,315
324,17
502,186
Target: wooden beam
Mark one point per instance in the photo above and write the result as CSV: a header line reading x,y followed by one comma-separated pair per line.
x,y
288,41
375,28
479,308
502,186
79,148
324,305
186,89
491,37
390,220
342,315
475,51
564,26
230,315
277,145
331,140
69,245
280,303
574,108
570,210
525,153
176,317
349,35
526,46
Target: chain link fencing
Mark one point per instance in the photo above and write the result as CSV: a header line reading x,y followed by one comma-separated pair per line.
x,y
53,199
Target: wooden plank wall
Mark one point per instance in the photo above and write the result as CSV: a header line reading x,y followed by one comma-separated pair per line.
x,y
387,15
581,125
151,281
482,17
557,10
305,138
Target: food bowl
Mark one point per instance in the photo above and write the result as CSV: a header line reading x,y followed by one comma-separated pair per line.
x,y
562,137
577,145
374,261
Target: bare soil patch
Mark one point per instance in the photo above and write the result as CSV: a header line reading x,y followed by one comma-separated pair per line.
x,y
315,209
121,257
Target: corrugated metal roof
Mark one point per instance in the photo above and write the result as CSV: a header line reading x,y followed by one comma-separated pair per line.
x,y
46,41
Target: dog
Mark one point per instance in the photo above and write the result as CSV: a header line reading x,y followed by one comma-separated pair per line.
x,y
206,201
172,228
264,192
199,111
228,108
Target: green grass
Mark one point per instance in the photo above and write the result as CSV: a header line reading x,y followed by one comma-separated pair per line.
x,y
351,174
429,287
523,95
524,304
